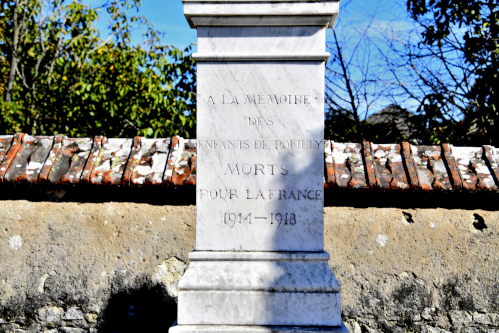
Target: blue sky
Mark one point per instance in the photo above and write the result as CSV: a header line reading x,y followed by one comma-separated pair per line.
x,y
367,29
352,25
167,16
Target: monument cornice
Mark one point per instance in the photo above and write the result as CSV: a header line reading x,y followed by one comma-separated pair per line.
x,y
262,57
260,12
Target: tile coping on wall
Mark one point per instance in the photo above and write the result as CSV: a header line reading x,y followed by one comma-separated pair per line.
x,y
172,162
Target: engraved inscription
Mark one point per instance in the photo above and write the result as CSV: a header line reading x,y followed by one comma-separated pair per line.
x,y
277,219
298,144
264,99
284,195
275,145
260,147
224,144
256,169
232,218
276,99
260,121
218,194
261,144
230,194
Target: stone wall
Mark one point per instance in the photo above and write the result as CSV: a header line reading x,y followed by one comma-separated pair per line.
x,y
416,270
75,261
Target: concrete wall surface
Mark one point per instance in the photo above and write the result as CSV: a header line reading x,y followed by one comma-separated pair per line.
x,y
113,267
416,270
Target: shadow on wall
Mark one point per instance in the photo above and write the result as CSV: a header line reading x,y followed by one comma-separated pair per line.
x,y
144,309
156,195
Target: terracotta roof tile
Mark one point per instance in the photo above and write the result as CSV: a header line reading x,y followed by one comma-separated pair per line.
x,y
491,160
410,166
454,175
94,158
51,159
5,144
329,177
424,158
390,167
348,165
473,169
181,164
368,154
109,166
71,161
6,153
148,161
172,162
29,160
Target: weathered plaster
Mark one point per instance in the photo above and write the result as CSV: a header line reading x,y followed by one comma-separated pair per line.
x,y
436,271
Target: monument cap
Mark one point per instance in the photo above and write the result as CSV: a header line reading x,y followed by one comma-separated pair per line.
x,y
261,12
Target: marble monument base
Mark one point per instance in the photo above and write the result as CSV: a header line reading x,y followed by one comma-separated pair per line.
x,y
256,329
257,292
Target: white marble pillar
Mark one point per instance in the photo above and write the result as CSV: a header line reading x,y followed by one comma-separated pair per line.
x,y
259,263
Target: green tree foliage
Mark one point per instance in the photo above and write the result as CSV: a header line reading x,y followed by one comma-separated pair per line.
x,y
58,75
470,28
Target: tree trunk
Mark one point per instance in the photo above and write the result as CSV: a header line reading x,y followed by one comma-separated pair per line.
x,y
14,59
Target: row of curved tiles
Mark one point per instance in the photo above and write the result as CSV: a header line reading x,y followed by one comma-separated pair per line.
x,y
172,162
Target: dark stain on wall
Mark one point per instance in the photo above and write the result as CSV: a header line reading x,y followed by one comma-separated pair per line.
x,y
411,297
453,298
479,222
